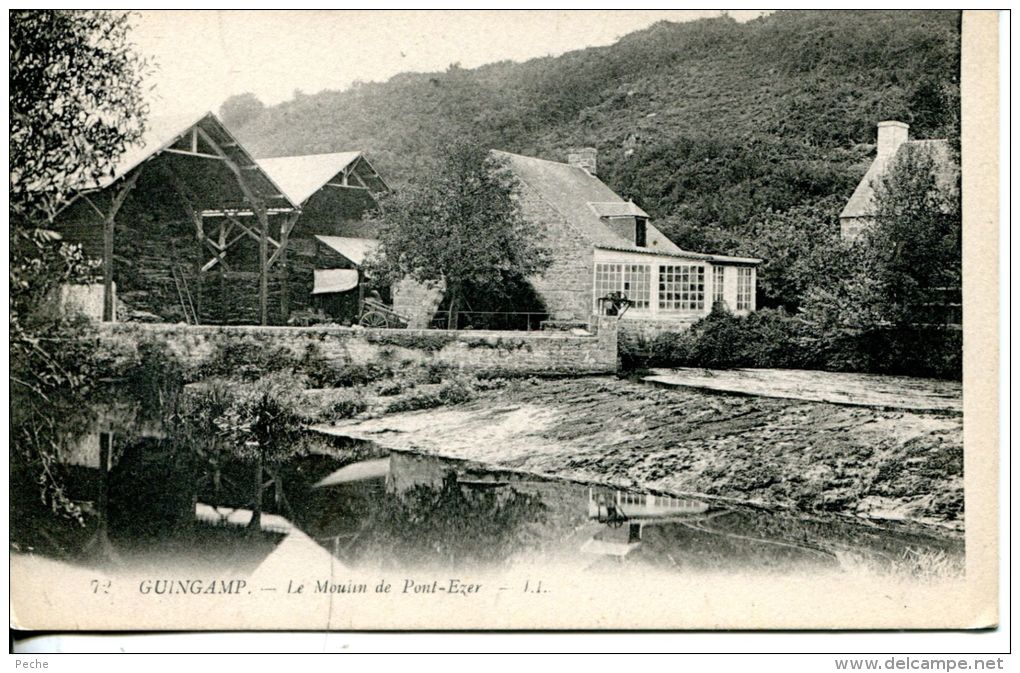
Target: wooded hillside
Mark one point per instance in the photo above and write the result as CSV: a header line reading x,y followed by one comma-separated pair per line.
x,y
708,124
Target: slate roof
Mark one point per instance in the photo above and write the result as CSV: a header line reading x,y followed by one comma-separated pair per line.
x,y
571,190
301,176
581,197
862,202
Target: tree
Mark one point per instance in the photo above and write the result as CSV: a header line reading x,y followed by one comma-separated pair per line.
x,y
916,240
796,247
76,102
241,109
459,223
873,310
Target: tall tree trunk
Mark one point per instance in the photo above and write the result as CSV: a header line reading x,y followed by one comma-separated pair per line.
x,y
452,315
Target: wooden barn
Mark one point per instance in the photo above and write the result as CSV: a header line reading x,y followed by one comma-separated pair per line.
x,y
191,228
330,241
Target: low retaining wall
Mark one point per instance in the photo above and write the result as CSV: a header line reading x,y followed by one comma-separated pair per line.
x,y
537,353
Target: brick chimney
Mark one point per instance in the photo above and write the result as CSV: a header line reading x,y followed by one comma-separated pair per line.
x,y
584,157
891,134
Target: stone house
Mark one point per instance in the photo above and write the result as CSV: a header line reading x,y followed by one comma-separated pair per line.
x,y
893,144
602,244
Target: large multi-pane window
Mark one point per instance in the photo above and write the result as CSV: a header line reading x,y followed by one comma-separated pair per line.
x,y
682,287
632,280
743,289
718,284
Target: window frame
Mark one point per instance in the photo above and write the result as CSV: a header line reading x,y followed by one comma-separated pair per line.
x,y
718,284
681,288
625,277
745,289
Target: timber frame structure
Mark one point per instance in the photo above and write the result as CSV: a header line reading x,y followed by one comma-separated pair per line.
x,y
226,194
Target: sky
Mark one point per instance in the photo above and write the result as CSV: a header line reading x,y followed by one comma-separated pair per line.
x,y
204,57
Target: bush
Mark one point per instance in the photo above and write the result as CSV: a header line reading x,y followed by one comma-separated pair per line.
x,y
774,338
247,358
721,340
456,390
348,404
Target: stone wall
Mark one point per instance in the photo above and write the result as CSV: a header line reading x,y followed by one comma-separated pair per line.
x,y
534,353
566,286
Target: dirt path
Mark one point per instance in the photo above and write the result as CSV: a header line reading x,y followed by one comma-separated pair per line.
x,y
815,456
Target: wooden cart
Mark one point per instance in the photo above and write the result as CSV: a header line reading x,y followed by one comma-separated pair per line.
x,y
374,313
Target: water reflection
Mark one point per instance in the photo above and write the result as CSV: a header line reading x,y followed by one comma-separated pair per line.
x,y
152,503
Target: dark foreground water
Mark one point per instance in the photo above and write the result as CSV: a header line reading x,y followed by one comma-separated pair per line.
x,y
150,502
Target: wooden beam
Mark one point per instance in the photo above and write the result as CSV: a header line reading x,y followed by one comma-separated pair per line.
x,y
221,253
111,216
102,215
254,234
259,209
285,229
264,268
187,153
358,178
333,184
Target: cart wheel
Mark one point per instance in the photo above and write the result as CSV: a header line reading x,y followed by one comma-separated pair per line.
x,y
373,319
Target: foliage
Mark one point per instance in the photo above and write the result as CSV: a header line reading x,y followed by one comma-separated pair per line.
x,y
766,338
75,102
52,371
705,124
429,342
264,419
238,110
459,223
454,390
799,248
775,338
426,525
916,240
156,378
248,358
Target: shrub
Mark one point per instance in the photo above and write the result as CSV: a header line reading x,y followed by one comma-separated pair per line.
x,y
348,405
774,338
248,358
456,390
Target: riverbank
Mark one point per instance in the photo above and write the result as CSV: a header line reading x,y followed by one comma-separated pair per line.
x,y
872,462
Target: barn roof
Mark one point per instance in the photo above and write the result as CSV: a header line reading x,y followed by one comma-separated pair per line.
x,y
354,249
301,176
862,202
580,197
182,146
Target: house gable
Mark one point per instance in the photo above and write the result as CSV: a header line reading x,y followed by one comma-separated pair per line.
x,y
893,145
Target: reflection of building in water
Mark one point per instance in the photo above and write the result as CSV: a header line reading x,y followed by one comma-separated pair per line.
x,y
616,508
609,505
